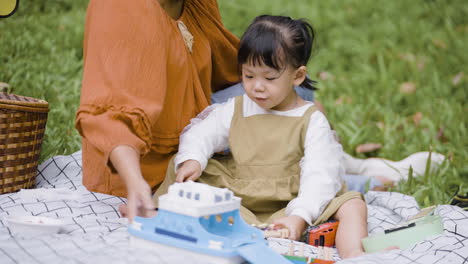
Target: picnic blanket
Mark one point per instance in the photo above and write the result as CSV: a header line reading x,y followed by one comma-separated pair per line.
x,y
95,233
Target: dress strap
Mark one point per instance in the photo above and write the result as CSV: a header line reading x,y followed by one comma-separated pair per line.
x,y
238,107
306,117
310,111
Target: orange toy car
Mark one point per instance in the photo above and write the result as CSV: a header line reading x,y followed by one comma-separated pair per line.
x,y
322,235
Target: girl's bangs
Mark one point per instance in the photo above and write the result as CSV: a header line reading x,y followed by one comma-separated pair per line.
x,y
261,46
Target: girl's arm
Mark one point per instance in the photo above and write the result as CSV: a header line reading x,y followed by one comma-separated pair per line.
x,y
321,170
201,139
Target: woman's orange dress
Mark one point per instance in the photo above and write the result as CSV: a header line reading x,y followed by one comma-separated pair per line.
x,y
142,85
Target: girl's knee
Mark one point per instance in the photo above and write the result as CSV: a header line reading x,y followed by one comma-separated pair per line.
x,y
351,206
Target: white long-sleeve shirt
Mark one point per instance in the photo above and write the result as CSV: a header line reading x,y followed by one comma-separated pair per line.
x,y
321,167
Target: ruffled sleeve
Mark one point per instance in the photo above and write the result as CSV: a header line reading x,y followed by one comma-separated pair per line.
x,y
124,75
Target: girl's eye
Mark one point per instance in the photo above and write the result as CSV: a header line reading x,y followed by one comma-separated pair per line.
x,y
248,76
271,79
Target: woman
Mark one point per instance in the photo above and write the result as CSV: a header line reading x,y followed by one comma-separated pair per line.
x,y
149,67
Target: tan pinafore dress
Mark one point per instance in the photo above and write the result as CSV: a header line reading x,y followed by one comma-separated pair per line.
x,y
263,168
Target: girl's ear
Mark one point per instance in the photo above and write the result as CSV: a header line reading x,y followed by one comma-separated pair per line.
x,y
300,75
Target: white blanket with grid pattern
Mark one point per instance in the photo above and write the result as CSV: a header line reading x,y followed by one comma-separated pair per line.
x,y
95,233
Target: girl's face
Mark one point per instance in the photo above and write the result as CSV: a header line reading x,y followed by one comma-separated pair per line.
x,y
270,88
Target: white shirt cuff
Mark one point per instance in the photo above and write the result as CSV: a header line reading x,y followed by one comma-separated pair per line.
x,y
302,213
179,159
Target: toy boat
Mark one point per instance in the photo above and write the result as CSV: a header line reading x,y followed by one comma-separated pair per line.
x,y
203,221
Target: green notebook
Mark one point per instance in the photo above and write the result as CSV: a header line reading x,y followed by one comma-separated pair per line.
x,y
405,236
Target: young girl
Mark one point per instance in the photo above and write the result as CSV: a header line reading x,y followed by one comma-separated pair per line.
x,y
285,164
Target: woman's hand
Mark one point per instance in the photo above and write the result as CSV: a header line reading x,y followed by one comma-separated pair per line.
x,y
189,170
139,200
138,203
295,224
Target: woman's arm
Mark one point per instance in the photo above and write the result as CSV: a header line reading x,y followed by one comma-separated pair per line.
x,y
123,88
126,161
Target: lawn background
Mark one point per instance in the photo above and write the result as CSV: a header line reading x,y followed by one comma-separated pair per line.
x,y
390,72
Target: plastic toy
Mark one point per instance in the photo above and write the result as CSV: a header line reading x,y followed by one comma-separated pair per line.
x,y
324,255
29,225
276,233
325,232
203,221
304,260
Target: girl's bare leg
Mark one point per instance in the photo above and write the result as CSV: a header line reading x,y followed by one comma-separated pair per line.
x,y
352,228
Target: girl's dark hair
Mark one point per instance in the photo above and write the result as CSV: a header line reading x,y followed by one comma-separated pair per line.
x,y
277,41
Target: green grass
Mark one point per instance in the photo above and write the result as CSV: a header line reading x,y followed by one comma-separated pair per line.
x,y
366,48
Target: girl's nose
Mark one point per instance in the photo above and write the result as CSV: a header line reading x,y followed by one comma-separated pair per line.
x,y
258,86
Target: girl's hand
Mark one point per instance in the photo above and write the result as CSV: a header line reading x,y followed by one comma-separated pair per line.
x,y
189,170
295,224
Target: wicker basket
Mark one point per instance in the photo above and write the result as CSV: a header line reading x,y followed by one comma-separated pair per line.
x,y
22,125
